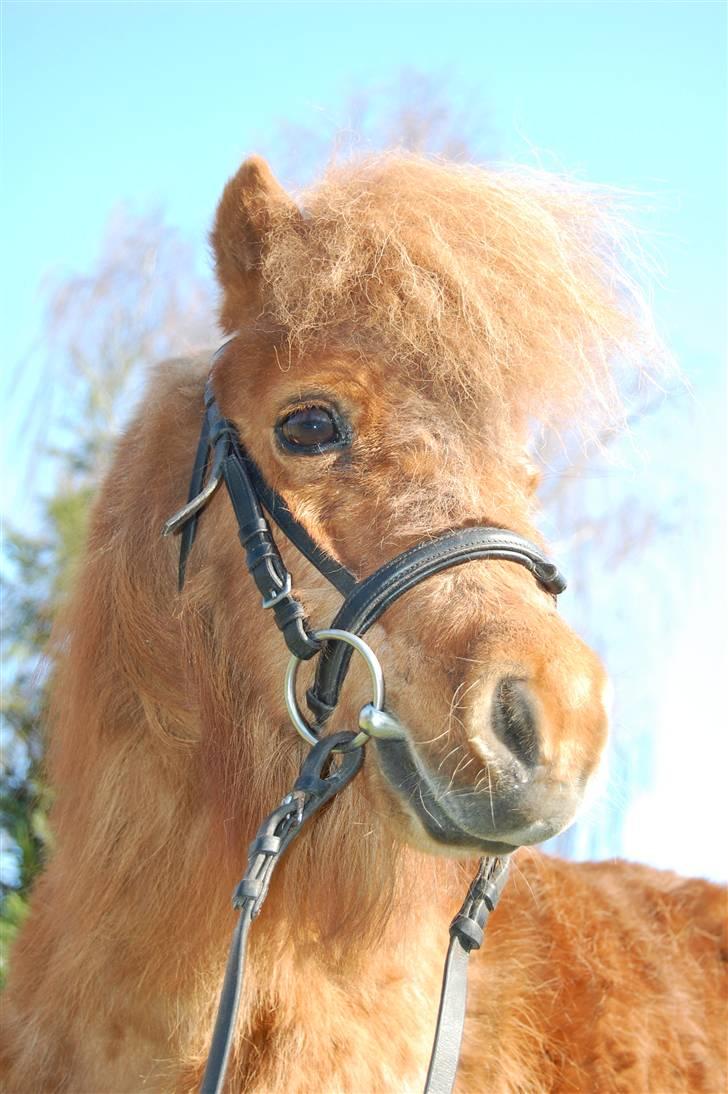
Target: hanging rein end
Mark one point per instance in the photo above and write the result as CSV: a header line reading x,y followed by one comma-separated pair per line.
x,y
215,438
485,890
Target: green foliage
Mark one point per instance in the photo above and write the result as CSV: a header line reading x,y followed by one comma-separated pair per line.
x,y
39,572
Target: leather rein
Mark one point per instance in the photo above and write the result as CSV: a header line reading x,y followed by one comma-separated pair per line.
x,y
222,458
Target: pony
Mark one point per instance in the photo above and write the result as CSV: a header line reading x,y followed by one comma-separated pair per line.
x,y
398,335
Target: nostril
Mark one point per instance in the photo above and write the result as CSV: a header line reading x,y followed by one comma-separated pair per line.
x,y
514,721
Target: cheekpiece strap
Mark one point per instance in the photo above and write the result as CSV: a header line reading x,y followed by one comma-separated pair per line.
x,y
220,451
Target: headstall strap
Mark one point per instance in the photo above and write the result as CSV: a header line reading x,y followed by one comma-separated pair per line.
x,y
221,457
248,492
364,601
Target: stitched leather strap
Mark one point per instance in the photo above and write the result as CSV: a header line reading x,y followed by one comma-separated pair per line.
x,y
263,558
466,934
370,598
450,1020
248,492
311,791
341,578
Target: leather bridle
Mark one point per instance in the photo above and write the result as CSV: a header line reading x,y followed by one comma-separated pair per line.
x,y
221,457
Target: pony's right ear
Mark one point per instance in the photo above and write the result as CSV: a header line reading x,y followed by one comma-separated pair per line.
x,y
251,202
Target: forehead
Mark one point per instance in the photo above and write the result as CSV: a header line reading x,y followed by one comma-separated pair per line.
x,y
408,436
261,369
496,297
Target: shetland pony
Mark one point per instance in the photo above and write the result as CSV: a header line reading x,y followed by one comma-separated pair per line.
x,y
399,334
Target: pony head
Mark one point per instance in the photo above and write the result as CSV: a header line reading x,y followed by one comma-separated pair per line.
x,y
399,333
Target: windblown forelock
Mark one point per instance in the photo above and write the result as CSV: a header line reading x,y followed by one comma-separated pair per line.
x,y
509,288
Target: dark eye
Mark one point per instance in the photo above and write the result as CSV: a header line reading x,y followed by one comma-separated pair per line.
x,y
311,430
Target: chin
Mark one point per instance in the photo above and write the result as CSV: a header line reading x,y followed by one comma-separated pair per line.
x,y
439,817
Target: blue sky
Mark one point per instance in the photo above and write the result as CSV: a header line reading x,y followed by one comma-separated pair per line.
x,y
157,103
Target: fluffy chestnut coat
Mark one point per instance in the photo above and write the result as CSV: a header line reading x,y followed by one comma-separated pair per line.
x,y
451,311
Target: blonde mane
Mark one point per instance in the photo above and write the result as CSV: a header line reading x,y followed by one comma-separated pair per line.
x,y
513,283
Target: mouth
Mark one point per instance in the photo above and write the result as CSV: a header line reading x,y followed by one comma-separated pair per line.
x,y
488,820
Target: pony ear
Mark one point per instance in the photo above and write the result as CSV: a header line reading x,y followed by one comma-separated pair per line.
x,y
251,202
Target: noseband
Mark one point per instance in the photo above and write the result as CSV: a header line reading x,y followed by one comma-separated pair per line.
x,y
221,457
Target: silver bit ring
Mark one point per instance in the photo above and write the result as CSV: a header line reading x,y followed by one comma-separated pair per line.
x,y
368,715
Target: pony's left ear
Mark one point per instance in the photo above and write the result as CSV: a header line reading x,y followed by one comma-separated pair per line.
x,y
252,202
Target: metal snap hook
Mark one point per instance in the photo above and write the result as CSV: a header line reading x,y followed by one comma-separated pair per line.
x,y
373,721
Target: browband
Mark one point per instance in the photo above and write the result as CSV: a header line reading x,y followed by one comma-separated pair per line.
x,y
221,457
